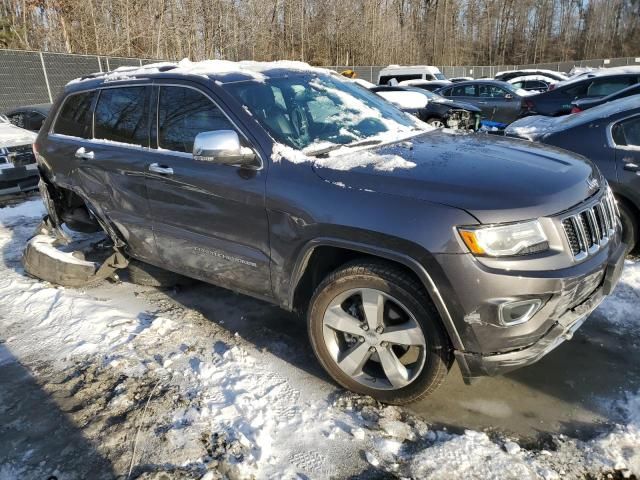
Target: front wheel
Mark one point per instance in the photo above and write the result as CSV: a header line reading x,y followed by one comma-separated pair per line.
x,y
436,122
374,330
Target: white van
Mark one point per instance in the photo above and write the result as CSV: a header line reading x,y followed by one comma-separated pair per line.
x,y
412,72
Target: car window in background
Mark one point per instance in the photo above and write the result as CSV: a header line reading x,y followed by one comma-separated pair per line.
x,y
74,118
183,113
627,132
464,91
122,115
446,92
491,91
603,87
35,121
577,91
18,119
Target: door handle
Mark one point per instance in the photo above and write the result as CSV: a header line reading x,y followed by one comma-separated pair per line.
x,y
82,154
631,167
154,167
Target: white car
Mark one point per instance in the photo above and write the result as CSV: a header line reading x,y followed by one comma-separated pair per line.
x,y
409,72
532,83
18,168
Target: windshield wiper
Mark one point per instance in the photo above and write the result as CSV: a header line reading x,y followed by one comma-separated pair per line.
x,y
331,148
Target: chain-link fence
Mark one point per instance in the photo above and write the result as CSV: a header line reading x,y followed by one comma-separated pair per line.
x,y
27,78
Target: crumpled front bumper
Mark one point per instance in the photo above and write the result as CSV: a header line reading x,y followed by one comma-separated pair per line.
x,y
477,365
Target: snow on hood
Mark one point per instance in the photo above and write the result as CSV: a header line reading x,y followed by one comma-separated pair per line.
x,y
12,136
405,99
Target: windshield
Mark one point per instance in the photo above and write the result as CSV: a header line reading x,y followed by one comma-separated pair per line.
x,y
440,76
312,110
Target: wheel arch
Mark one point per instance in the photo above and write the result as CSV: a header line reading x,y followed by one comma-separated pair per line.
x,y
323,255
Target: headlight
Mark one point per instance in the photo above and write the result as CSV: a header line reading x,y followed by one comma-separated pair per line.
x,y
505,240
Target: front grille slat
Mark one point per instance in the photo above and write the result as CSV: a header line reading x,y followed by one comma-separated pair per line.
x,y
590,228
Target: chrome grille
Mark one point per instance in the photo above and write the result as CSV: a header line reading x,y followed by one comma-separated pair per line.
x,y
590,228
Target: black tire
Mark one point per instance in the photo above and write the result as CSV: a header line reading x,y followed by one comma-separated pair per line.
x,y
397,284
630,229
436,122
148,275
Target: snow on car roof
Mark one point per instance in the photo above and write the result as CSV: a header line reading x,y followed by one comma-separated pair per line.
x,y
535,126
532,77
205,68
531,70
602,72
418,81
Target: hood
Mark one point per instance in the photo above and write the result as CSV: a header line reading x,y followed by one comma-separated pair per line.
x,y
495,179
12,136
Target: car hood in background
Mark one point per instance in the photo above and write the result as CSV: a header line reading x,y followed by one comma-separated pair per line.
x,y
495,179
12,136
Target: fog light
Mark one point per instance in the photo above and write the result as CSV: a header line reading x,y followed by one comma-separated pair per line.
x,y
516,313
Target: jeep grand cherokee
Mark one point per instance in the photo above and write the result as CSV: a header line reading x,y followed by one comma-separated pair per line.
x,y
407,247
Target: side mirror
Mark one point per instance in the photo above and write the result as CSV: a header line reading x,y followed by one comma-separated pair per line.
x,y
508,96
223,147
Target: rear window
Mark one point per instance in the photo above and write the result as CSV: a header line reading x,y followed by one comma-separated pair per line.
x,y
74,118
122,115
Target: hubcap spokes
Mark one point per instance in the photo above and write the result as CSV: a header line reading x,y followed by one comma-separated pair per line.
x,y
374,339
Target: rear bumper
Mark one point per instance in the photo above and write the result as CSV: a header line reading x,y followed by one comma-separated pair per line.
x,y
476,365
18,179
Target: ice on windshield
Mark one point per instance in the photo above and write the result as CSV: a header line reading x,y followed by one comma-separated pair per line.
x,y
308,110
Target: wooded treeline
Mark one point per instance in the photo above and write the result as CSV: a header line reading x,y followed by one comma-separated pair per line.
x,y
329,32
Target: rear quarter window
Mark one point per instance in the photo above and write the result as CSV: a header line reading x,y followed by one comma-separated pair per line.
x,y
74,118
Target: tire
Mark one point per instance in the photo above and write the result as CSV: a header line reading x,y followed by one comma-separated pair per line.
x,y
436,122
630,230
405,305
148,275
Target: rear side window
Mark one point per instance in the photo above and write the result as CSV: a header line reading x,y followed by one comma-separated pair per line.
x,y
183,113
122,115
491,91
74,118
464,91
627,132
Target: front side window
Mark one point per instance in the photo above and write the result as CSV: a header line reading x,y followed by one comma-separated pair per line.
x,y
74,118
319,109
183,113
627,132
122,115
491,91
604,87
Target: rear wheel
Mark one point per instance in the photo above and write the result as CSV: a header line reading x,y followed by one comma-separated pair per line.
x,y
375,332
630,229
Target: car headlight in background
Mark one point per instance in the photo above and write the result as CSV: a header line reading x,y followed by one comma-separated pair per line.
x,y
505,240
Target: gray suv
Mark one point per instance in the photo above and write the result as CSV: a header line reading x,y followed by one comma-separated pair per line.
x,y
407,248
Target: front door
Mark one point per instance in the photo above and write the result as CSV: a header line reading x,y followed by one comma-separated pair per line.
x,y
209,219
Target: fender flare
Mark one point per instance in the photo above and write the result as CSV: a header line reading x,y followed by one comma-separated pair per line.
x,y
403,259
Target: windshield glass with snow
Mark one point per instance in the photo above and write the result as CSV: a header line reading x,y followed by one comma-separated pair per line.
x,y
309,111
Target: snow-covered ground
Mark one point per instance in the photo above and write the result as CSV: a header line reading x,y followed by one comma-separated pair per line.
x,y
139,384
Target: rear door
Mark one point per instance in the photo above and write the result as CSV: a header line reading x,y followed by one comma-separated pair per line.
x,y
626,138
117,159
209,220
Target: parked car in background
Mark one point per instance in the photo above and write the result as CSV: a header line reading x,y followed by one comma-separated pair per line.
x,y
597,84
510,74
499,101
532,83
405,247
460,79
578,106
432,108
431,85
609,136
409,72
18,169
29,117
